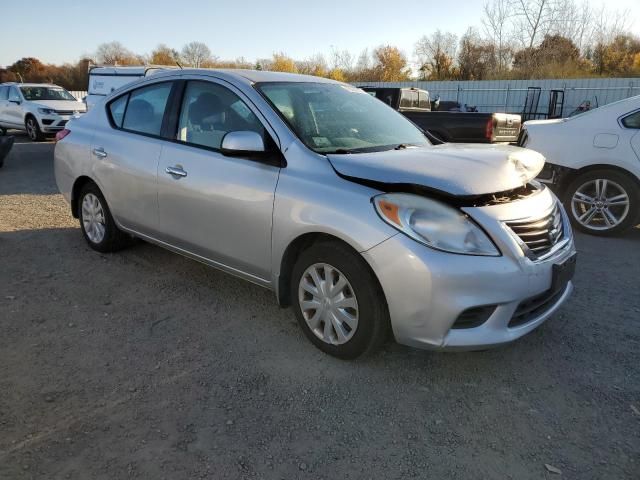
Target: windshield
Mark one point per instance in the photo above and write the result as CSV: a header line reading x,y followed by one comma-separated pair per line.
x,y
46,93
335,118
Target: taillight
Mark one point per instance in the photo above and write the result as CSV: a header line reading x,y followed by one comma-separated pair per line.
x,y
61,134
488,132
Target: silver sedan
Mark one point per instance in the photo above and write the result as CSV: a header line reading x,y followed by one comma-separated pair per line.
x,y
322,193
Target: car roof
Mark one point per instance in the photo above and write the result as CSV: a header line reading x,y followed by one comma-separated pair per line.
x,y
252,76
6,84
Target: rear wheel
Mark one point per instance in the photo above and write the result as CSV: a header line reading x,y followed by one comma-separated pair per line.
x,y
33,129
96,222
602,202
338,301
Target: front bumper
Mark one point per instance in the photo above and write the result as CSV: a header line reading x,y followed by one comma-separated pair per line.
x,y
54,123
427,290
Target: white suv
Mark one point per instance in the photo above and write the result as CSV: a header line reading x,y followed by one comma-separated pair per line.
x,y
37,108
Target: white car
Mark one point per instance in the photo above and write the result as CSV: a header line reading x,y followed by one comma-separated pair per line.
x,y
39,109
594,161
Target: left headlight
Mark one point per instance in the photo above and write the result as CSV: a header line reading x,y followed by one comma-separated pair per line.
x,y
434,224
47,111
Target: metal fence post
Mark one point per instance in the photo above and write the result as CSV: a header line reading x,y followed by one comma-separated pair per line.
x,y
458,94
506,98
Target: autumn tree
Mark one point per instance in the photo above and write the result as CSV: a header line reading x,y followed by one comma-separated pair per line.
x,y
476,58
282,63
390,64
196,54
163,55
436,54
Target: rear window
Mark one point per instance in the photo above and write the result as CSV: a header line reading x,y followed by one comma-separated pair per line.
x,y
423,100
632,121
141,110
117,109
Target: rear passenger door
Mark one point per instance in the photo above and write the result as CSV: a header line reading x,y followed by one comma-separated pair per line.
x,y
126,151
217,207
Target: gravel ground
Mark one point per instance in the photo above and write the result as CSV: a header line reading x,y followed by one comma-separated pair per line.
x,y
144,364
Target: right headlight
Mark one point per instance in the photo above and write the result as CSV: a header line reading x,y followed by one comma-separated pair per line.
x,y
434,224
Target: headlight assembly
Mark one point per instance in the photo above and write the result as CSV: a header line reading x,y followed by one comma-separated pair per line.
x,y
47,111
434,224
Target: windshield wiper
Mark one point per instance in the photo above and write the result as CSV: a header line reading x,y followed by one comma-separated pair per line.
x,y
339,151
402,146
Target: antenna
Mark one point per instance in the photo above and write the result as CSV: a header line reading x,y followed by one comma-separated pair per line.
x,y
178,63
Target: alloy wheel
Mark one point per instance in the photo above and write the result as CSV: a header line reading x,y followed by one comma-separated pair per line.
x,y
328,303
32,131
93,218
600,204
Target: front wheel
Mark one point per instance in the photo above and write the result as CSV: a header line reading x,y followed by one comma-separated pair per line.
x,y
33,130
338,301
602,202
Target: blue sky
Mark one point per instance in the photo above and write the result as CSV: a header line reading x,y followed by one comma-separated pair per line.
x,y
63,30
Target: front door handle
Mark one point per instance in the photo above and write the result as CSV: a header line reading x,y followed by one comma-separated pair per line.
x,y
99,152
177,171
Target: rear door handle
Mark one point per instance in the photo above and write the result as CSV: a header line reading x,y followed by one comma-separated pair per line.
x,y
99,152
177,171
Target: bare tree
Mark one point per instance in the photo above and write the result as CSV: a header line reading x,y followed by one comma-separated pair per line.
x,y
496,22
195,54
436,54
114,53
534,20
341,59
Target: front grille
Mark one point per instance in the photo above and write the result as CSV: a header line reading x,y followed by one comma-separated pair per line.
x,y
64,112
533,307
539,236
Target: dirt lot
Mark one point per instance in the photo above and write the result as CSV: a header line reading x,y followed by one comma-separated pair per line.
x,y
144,364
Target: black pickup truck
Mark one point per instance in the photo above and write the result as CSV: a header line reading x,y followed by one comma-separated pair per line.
x,y
448,126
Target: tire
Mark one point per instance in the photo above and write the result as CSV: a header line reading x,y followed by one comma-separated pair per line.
x,y
33,129
344,340
108,237
602,202
3,131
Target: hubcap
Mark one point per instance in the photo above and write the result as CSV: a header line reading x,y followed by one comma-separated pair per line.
x,y
93,218
328,304
600,204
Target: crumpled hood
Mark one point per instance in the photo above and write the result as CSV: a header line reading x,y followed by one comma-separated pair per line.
x,y
452,169
62,105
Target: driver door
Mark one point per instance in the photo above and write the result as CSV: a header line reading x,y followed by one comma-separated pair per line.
x,y
216,207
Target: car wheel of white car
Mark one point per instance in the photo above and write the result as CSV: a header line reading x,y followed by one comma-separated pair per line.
x,y
96,222
33,129
602,202
338,301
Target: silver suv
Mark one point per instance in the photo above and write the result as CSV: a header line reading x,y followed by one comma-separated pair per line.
x,y
39,109
325,195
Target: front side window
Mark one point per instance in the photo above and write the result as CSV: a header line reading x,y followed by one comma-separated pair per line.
x,y
34,94
336,118
632,121
145,109
4,93
209,111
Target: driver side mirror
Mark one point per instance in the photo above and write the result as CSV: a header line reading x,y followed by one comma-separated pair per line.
x,y
243,143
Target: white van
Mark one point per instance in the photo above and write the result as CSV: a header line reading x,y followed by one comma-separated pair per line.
x,y
104,80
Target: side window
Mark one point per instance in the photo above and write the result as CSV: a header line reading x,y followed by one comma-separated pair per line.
x,y
116,109
209,111
145,108
405,99
4,93
13,94
632,121
423,100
